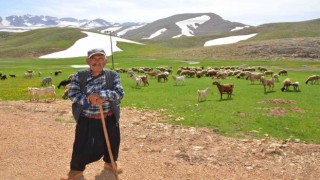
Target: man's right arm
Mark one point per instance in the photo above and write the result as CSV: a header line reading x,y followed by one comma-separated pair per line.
x,y
75,93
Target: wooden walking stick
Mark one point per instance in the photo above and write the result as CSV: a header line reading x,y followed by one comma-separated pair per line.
x,y
108,142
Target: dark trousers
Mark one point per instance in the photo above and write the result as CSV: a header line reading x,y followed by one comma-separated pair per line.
x,y
90,144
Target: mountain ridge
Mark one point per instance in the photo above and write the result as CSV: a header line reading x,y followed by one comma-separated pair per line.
x,y
188,24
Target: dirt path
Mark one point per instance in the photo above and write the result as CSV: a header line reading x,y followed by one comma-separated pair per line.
x,y
34,144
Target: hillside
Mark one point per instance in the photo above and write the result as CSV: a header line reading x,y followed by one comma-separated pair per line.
x,y
181,25
32,44
275,40
267,49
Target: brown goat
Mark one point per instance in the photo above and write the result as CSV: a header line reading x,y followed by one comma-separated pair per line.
x,y
267,82
254,76
283,72
152,74
313,79
225,88
286,84
162,76
140,79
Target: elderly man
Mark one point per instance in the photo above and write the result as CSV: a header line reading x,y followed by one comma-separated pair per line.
x,y
101,87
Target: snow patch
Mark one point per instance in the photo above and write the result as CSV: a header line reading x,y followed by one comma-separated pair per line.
x,y
121,33
111,29
157,33
193,22
228,40
93,40
239,28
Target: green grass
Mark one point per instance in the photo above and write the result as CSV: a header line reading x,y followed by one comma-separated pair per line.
x,y
302,29
38,42
244,115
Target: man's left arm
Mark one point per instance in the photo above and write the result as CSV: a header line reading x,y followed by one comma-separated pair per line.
x,y
117,93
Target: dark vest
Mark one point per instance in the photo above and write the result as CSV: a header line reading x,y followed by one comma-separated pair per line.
x,y
115,105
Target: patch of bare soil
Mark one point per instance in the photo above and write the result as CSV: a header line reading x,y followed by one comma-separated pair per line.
x,y
281,111
279,101
36,143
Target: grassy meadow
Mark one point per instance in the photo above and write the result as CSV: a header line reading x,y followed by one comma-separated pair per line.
x,y
249,113
245,115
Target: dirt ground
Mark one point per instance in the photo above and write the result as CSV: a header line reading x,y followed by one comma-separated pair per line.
x,y
36,143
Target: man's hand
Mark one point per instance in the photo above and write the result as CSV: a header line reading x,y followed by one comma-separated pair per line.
x,y
95,99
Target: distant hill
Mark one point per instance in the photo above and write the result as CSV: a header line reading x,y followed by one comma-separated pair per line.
x,y
274,40
176,26
180,25
48,21
34,43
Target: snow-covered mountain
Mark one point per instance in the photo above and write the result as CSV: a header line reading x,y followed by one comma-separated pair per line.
x,y
175,26
48,21
178,26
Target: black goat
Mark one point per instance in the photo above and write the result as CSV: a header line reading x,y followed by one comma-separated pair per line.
x,y
4,77
64,83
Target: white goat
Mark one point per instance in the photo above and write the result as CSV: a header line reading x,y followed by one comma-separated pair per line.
x,y
35,93
202,94
137,79
178,79
296,86
28,75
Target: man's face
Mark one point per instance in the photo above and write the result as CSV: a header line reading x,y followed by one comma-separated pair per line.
x,y
97,62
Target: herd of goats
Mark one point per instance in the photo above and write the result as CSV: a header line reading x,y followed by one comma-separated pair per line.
x,y
140,76
266,77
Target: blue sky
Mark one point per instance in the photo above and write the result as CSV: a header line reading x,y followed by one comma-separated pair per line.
x,y
251,12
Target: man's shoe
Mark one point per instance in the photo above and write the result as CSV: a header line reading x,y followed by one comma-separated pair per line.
x,y
109,167
74,175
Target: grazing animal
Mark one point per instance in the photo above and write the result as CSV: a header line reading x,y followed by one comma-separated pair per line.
x,y
178,79
267,82
152,74
254,76
56,73
262,69
35,93
3,77
313,79
64,83
202,94
12,75
28,75
225,88
296,86
188,73
276,77
143,79
269,72
283,72
162,76
137,79
46,81
286,84
241,74
65,94
220,75
129,72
